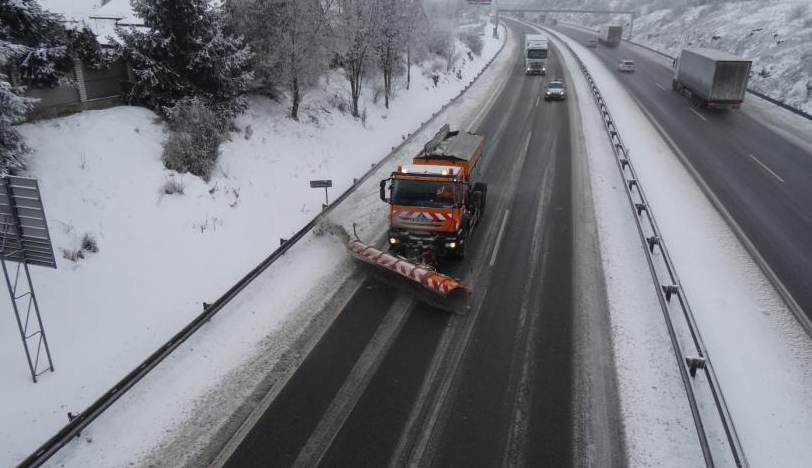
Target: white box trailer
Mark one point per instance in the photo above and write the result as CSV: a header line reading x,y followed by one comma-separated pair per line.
x,y
711,78
610,34
535,54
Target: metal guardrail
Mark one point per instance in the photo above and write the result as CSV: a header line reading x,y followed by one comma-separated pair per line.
x,y
80,421
668,285
752,91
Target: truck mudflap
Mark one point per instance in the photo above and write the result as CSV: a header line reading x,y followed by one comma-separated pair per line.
x,y
448,293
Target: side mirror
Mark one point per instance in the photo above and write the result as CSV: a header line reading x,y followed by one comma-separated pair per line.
x,y
383,190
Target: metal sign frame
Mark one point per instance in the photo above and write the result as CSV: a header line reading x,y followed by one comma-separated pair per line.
x,y
325,184
24,240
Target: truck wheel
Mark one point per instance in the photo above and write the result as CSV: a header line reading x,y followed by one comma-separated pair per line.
x,y
479,194
459,252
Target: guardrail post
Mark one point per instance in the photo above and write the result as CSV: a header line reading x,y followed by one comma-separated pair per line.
x,y
670,289
694,363
652,241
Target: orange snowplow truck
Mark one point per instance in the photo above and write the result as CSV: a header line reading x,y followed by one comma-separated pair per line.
x,y
437,200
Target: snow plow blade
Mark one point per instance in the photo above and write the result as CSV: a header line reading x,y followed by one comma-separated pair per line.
x,y
448,293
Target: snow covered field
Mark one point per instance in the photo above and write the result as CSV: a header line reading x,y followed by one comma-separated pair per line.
x,y
762,356
162,255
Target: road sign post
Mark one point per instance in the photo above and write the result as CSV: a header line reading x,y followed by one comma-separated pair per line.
x,y
325,184
24,240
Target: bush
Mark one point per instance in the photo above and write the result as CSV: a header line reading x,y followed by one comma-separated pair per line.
x,y
471,38
173,186
440,41
89,243
194,143
72,255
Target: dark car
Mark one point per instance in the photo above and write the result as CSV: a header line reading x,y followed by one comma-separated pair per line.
x,y
555,89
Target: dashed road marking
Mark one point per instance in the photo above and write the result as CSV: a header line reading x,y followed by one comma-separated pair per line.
x,y
499,237
766,168
660,86
697,113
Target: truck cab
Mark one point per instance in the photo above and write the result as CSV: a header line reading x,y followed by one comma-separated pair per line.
x,y
435,201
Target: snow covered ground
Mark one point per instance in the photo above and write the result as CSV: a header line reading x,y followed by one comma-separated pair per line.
x,y
162,255
762,356
774,34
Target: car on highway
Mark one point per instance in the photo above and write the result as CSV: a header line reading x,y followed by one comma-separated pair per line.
x,y
555,89
626,66
592,43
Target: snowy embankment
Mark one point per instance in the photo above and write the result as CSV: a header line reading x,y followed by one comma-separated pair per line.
x,y
761,354
775,35
162,255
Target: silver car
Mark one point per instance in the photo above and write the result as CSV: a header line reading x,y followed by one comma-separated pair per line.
x,y
626,66
555,89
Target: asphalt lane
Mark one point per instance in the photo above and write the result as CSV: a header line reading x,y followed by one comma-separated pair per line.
x,y
760,177
493,388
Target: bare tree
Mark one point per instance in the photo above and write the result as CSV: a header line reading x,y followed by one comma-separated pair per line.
x,y
415,24
390,42
289,39
355,25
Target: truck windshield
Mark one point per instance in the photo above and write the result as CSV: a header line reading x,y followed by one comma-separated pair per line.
x,y
537,54
424,193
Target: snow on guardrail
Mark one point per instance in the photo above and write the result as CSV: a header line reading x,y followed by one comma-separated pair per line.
x,y
708,407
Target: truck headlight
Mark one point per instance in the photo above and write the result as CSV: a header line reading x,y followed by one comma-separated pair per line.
x,y
451,245
393,240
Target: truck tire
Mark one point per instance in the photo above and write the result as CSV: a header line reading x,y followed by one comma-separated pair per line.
x,y
482,188
459,252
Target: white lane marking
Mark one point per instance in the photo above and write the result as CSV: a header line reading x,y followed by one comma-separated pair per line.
x,y
766,168
660,86
526,143
697,113
537,100
353,387
499,237
489,104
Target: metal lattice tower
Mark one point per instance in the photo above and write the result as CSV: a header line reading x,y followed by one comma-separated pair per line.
x,y
24,240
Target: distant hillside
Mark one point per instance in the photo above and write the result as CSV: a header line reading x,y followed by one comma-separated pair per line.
x,y
776,35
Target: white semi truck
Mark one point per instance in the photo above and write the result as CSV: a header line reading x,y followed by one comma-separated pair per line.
x,y
535,54
610,35
711,78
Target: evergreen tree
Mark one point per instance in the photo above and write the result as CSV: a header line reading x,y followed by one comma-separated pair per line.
x,y
186,52
43,57
32,40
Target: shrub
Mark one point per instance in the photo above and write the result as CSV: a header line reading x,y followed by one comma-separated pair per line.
x,y
440,41
72,255
194,143
89,243
471,38
173,186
